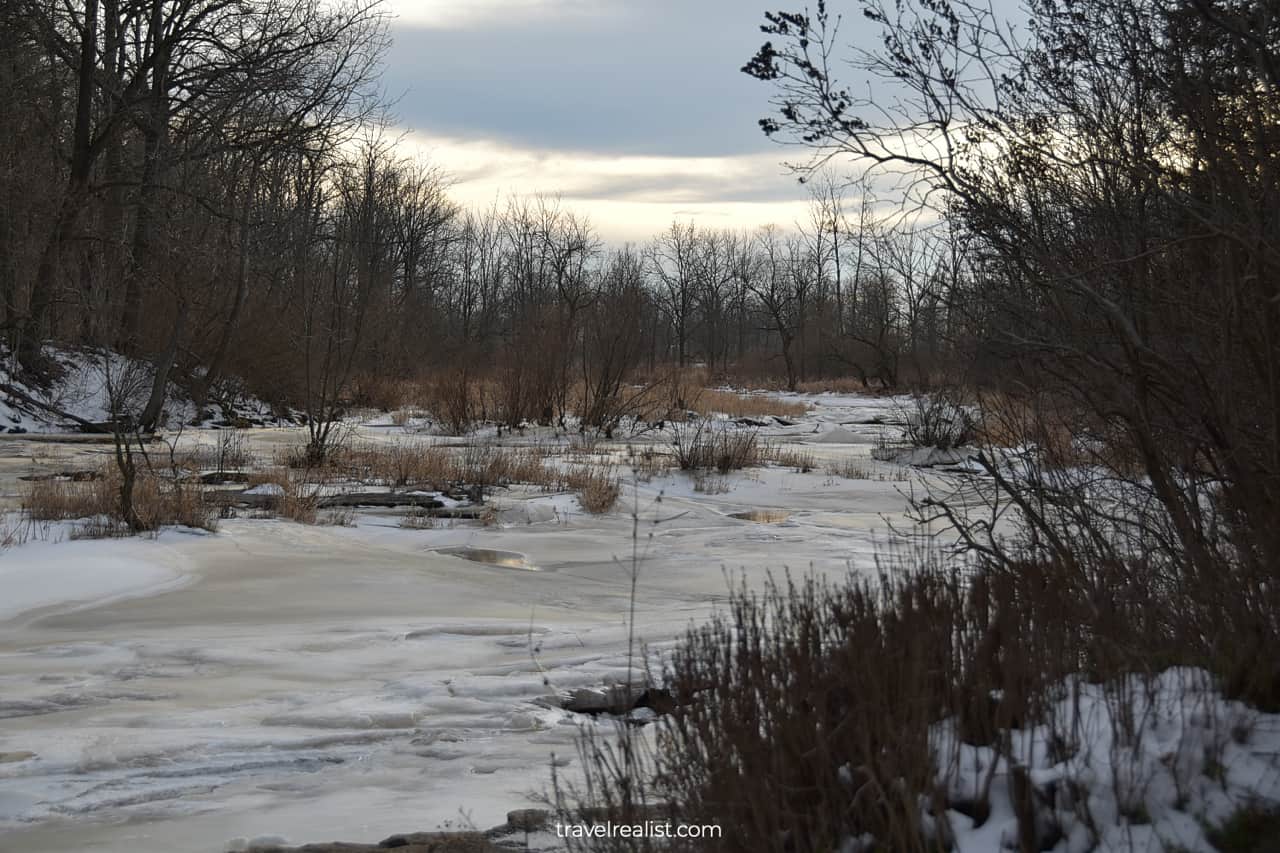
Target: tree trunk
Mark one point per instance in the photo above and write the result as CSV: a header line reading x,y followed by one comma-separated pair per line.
x,y
218,361
154,133
33,327
164,365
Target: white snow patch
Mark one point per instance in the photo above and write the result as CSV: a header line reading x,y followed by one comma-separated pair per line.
x,y
82,573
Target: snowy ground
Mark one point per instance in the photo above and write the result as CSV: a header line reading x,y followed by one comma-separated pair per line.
x,y
84,387
321,683
313,683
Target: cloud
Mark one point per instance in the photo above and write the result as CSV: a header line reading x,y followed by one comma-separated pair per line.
x,y
451,15
660,77
627,198
633,112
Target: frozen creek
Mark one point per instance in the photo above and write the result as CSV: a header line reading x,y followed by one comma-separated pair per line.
x,y
322,683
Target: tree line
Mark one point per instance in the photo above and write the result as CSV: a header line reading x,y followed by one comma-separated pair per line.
x,y
212,186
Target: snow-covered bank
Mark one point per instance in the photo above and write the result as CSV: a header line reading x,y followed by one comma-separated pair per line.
x,y
82,389
1153,764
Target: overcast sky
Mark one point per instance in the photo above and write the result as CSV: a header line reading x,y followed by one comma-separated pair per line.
x,y
634,112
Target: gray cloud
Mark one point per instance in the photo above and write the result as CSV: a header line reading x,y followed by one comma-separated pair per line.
x,y
660,77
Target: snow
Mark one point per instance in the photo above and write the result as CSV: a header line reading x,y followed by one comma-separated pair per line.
x,y
82,391
1191,760
346,683
57,575
268,489
325,683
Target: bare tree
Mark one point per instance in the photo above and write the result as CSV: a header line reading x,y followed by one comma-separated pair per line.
x,y
673,261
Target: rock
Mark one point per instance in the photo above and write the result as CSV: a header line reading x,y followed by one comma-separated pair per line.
x,y
922,457
214,478
381,499
528,820
439,842
79,476
614,700
658,700
618,700
268,495
413,842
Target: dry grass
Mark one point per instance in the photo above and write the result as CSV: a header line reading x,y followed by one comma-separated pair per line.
x,y
648,462
336,517
707,483
865,469
157,502
298,496
736,404
597,486
63,500
419,519
800,461
459,398
838,385
444,468
399,464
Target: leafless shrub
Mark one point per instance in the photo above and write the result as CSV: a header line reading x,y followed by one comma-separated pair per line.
x,y
806,715
229,452
938,420
454,400
703,444
380,391
785,732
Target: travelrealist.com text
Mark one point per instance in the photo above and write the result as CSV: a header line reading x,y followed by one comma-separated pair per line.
x,y
646,829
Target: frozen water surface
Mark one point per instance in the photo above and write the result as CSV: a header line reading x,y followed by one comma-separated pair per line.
x,y
321,683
